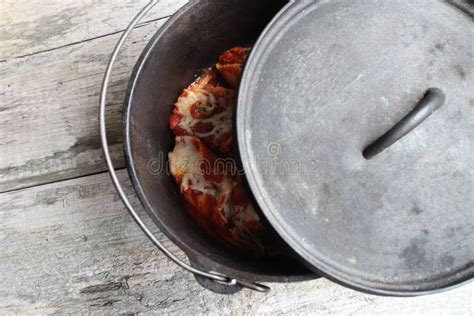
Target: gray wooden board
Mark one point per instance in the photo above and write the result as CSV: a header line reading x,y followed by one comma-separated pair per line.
x,y
72,247
49,109
29,27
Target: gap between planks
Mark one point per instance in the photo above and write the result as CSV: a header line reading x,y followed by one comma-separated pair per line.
x,y
142,24
58,181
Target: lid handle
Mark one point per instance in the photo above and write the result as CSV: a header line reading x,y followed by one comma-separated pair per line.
x,y
433,99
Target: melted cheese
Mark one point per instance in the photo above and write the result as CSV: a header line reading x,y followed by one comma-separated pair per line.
x,y
244,215
185,161
184,157
221,122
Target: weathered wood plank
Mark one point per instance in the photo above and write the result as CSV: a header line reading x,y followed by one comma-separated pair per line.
x,y
49,110
71,247
31,26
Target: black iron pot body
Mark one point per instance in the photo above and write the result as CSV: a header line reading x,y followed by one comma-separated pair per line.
x,y
189,42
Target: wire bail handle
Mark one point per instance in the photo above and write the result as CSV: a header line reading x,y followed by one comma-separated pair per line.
x,y
223,279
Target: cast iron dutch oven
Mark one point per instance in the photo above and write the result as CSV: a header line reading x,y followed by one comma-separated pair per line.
x,y
355,130
188,43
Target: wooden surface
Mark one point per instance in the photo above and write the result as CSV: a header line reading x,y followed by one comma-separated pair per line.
x,y
68,244
50,86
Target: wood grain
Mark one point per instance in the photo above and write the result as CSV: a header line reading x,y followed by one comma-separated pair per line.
x,y
29,27
49,110
71,247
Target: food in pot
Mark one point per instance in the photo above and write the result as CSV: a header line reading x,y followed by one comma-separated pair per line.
x,y
231,63
204,110
216,199
201,163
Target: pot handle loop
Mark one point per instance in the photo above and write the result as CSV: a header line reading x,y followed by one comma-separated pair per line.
x,y
105,147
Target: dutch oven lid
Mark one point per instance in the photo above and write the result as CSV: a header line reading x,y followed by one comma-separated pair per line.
x,y
324,82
